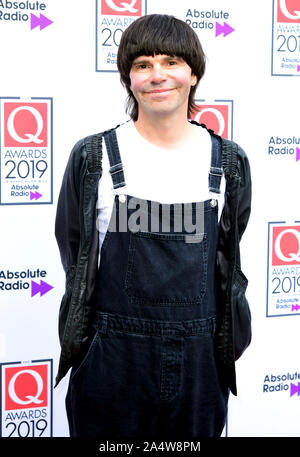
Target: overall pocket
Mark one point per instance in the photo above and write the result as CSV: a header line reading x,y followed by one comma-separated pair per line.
x,y
90,355
163,269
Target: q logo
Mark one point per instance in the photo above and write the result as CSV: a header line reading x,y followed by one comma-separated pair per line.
x,y
25,124
286,245
288,11
216,116
121,7
26,387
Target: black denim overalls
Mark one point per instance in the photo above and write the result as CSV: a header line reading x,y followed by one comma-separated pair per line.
x,y
150,370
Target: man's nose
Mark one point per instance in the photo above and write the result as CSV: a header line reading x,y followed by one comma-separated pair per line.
x,y
158,74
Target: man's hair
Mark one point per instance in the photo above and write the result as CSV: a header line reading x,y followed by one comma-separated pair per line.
x,y
159,34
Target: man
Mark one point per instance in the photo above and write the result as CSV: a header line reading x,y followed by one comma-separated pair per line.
x,y
154,316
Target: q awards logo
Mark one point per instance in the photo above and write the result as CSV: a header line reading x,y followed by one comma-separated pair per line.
x,y
283,281
286,38
112,18
26,399
216,115
26,151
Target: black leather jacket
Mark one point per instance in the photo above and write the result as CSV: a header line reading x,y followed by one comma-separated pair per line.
x,y
77,238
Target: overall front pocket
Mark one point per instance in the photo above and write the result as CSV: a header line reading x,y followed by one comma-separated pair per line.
x,y
163,269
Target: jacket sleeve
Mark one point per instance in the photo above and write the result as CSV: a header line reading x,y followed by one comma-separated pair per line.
x,y
67,222
241,315
68,227
245,193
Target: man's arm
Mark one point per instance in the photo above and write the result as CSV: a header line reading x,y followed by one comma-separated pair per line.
x,y
245,193
67,223
68,226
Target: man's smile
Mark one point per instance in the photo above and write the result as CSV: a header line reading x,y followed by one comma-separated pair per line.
x,y
159,91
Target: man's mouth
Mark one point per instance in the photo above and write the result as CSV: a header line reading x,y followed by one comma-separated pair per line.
x,y
160,91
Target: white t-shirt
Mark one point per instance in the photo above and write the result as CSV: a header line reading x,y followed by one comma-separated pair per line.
x,y
157,174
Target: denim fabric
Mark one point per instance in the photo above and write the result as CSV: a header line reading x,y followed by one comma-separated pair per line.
x,y
150,370
148,379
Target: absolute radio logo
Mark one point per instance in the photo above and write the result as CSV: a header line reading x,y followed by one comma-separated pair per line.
x,y
283,280
210,20
27,280
19,12
26,399
288,382
26,151
286,38
285,147
216,115
112,18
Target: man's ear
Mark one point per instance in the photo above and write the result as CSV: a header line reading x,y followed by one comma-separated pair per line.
x,y
194,80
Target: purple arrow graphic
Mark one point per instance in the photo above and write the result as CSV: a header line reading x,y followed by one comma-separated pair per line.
x,y
41,21
295,307
35,195
298,67
295,389
226,29
297,154
43,288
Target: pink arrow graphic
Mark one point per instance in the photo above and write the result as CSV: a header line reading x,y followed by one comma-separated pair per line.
x,y
297,154
295,307
295,389
43,288
226,29
298,68
35,195
41,21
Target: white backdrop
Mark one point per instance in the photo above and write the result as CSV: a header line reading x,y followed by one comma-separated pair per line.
x,y
58,84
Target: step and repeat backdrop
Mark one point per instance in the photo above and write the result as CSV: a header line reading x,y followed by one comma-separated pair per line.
x,y
59,83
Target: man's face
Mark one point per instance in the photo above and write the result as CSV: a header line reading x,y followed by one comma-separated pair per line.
x,y
161,84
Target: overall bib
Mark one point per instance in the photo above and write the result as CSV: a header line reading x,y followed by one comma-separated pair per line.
x,y
150,370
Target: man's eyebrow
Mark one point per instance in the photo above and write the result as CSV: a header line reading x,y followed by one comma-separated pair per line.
x,y
140,60
167,57
145,59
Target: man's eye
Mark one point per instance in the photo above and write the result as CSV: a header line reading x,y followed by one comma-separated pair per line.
x,y
141,66
172,62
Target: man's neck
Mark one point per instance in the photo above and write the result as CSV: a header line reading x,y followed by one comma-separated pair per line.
x,y
167,133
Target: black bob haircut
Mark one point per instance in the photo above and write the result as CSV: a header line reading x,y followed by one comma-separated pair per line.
x,y
159,34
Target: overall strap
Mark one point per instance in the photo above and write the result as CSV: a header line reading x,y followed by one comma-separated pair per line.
x,y
230,158
216,171
93,145
116,166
